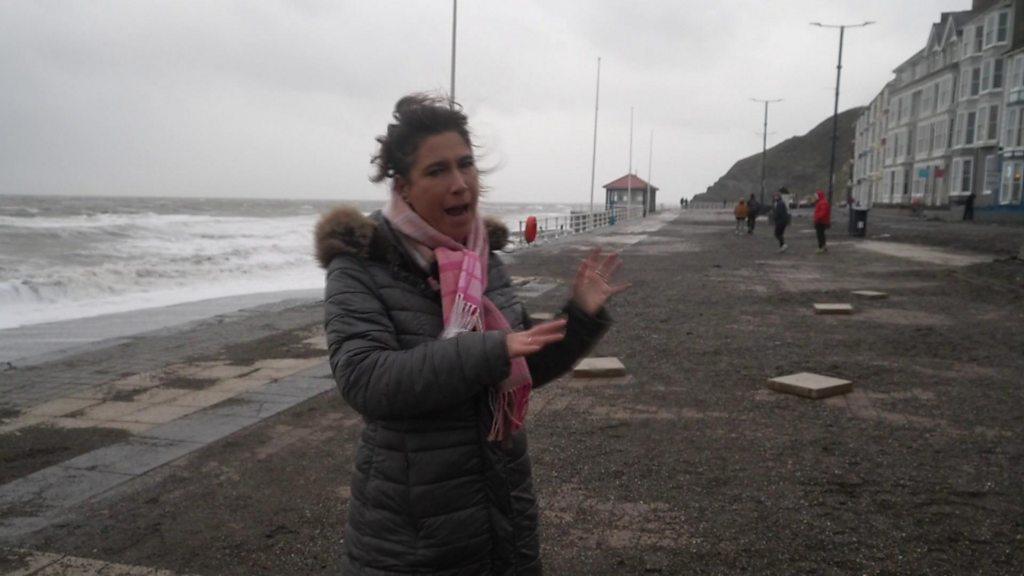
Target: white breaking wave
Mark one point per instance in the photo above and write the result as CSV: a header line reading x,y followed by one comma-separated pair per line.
x,y
80,266
68,258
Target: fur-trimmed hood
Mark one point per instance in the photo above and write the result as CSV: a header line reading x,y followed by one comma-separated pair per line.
x,y
345,230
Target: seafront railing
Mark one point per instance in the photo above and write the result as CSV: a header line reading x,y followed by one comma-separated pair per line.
x,y
551,227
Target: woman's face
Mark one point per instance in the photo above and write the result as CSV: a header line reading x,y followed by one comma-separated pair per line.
x,y
443,185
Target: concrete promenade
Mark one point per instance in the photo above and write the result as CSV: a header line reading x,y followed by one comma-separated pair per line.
x,y
222,447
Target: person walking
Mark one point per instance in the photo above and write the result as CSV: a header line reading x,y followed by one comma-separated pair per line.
x,y
753,208
822,220
781,216
429,343
740,212
969,206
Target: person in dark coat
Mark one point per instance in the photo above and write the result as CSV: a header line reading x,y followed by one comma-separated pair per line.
x,y
781,215
753,209
822,219
429,343
969,206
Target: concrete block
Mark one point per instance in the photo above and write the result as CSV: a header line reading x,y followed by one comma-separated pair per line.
x,y
136,456
870,294
599,368
61,407
833,309
810,385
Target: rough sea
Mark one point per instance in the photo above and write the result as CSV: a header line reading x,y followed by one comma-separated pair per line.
x,y
75,257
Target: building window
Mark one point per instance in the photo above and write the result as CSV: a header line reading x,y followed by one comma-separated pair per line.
x,y
997,73
991,174
924,140
963,174
1009,127
1013,179
940,134
969,127
928,99
1003,26
992,132
945,87
979,37
986,75
975,80
990,30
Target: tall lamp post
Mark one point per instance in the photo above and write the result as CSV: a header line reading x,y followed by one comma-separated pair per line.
x,y
764,140
835,111
455,21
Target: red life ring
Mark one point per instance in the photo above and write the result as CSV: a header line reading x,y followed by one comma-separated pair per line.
x,y
530,233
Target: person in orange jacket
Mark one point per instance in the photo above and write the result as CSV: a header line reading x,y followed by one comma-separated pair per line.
x,y
822,220
740,212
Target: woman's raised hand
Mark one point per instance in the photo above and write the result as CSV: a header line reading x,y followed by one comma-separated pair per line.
x,y
593,285
533,340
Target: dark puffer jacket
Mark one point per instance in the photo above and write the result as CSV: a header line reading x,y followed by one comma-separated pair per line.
x,y
430,495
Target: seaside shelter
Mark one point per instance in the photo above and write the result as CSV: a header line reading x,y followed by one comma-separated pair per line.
x,y
630,190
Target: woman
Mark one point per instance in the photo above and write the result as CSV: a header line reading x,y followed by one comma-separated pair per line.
x,y
781,214
822,220
740,212
429,343
753,208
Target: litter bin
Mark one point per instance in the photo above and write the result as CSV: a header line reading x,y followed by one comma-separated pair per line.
x,y
858,222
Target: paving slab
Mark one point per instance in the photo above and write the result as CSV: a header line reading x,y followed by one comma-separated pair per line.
x,y
61,407
202,427
49,489
133,457
871,294
607,367
202,398
833,308
300,387
161,413
159,395
810,385
112,410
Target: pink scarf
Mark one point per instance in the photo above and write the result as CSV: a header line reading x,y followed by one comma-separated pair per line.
x,y
462,272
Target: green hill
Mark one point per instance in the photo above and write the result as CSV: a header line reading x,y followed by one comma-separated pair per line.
x,y
799,163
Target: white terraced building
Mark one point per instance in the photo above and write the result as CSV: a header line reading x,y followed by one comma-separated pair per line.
x,y
949,124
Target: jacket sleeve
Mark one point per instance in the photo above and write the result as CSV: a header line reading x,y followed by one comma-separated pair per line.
x,y
380,380
582,332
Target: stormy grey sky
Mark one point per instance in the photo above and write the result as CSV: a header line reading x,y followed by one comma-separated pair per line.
x,y
282,98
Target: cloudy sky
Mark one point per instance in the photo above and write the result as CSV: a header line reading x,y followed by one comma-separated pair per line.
x,y
282,98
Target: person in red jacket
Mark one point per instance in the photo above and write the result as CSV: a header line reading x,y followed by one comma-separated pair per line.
x,y
822,220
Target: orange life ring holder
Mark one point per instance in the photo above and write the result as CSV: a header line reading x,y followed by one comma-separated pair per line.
x,y
530,233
